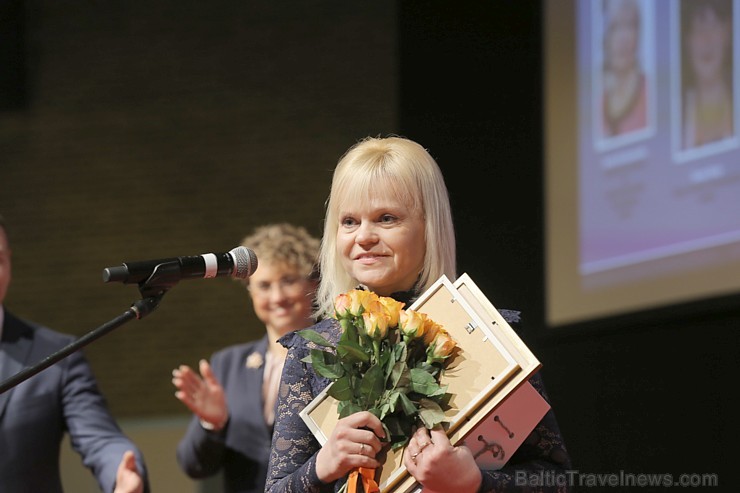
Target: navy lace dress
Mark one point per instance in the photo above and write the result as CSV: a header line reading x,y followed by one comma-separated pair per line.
x,y
292,466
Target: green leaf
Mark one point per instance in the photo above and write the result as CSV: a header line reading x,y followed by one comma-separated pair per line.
x,y
430,413
408,407
400,376
387,403
441,390
341,408
386,432
431,369
372,384
346,408
341,389
423,383
388,359
384,409
400,351
398,430
349,332
393,400
326,364
315,337
396,426
363,338
352,352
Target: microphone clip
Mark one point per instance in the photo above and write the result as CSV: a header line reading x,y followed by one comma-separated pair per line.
x,y
163,278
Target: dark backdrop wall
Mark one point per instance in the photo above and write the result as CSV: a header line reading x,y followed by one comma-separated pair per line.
x,y
172,128
647,393
168,128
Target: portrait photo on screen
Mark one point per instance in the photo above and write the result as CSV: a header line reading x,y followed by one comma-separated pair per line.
x,y
624,71
642,155
706,76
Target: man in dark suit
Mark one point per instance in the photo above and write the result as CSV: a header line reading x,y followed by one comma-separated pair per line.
x,y
35,414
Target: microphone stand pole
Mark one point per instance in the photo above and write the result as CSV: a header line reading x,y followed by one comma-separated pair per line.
x,y
152,290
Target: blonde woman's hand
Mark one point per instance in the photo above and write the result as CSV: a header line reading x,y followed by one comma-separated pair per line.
x,y
353,443
439,466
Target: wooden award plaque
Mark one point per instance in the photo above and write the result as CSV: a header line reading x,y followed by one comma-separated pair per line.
x,y
491,364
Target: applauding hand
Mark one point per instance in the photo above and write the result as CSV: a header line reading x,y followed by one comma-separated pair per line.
x,y
202,394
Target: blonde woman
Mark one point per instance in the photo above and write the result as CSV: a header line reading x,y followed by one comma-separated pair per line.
x,y
388,229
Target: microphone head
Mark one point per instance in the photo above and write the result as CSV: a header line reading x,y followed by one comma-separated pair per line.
x,y
245,262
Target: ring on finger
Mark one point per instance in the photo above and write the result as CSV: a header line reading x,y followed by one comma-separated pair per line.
x,y
362,448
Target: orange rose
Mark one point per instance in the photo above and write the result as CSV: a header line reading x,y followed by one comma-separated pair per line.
x,y
376,321
342,305
441,347
430,330
361,301
412,323
353,303
393,308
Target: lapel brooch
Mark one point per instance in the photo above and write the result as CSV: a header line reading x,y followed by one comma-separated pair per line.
x,y
254,360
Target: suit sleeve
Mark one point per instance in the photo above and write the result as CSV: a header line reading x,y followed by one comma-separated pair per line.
x,y
94,434
200,453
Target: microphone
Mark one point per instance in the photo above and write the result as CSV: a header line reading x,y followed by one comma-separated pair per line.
x,y
240,262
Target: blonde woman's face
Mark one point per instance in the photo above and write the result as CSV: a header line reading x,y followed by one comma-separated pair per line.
x,y
282,297
381,244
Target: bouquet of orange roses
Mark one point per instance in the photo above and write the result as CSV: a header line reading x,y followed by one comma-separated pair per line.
x,y
387,361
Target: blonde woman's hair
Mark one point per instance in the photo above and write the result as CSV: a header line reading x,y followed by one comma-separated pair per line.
x,y
402,169
286,244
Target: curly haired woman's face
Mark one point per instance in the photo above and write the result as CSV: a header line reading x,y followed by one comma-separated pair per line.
x,y
281,296
381,244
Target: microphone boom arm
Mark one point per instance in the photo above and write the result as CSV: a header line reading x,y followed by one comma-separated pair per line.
x,y
164,276
139,309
